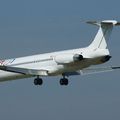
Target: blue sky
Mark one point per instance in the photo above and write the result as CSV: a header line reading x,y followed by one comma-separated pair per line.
x,y
30,27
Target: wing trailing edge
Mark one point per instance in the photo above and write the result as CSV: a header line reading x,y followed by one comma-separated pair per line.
x,y
93,70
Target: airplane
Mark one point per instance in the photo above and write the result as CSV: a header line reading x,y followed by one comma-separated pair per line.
x,y
63,63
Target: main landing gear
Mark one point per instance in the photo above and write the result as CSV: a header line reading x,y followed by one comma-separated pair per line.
x,y
38,81
64,81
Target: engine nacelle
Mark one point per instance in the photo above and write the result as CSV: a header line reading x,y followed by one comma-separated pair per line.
x,y
77,57
68,58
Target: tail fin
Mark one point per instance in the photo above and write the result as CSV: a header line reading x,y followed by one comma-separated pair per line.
x,y
105,29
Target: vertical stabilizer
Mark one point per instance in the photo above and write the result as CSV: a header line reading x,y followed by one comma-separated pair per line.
x,y
103,35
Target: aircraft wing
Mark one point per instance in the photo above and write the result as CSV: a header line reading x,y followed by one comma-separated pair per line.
x,y
93,70
43,72
25,71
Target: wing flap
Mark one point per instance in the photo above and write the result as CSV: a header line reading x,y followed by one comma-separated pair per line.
x,y
96,70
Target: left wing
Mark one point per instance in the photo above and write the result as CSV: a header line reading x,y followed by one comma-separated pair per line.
x,y
93,70
25,71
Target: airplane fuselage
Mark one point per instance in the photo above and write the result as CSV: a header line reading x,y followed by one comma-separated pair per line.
x,y
49,62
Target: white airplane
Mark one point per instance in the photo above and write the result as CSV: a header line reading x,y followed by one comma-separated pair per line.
x,y
64,63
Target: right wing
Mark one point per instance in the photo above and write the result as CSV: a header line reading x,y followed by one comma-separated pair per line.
x,y
93,70
99,70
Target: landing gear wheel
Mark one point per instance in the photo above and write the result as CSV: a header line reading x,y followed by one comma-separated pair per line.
x,y
61,82
64,81
35,82
38,81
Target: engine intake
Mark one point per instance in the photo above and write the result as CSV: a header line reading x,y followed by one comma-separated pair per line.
x,y
106,58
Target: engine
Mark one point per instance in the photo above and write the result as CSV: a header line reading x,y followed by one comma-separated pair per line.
x,y
106,58
68,58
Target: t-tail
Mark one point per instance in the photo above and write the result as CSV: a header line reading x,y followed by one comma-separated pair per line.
x,y
103,35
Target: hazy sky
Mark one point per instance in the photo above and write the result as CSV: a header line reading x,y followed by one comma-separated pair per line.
x,y
36,26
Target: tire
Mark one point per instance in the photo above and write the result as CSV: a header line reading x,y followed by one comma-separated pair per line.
x,y
64,81
35,81
38,81
61,82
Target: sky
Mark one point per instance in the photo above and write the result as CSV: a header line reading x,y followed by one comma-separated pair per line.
x,y
29,27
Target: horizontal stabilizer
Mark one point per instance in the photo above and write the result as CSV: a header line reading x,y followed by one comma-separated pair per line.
x,y
105,22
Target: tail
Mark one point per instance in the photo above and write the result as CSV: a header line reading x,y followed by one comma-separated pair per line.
x,y
103,35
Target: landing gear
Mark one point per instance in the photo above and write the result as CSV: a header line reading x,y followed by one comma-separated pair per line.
x,y
64,81
38,81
